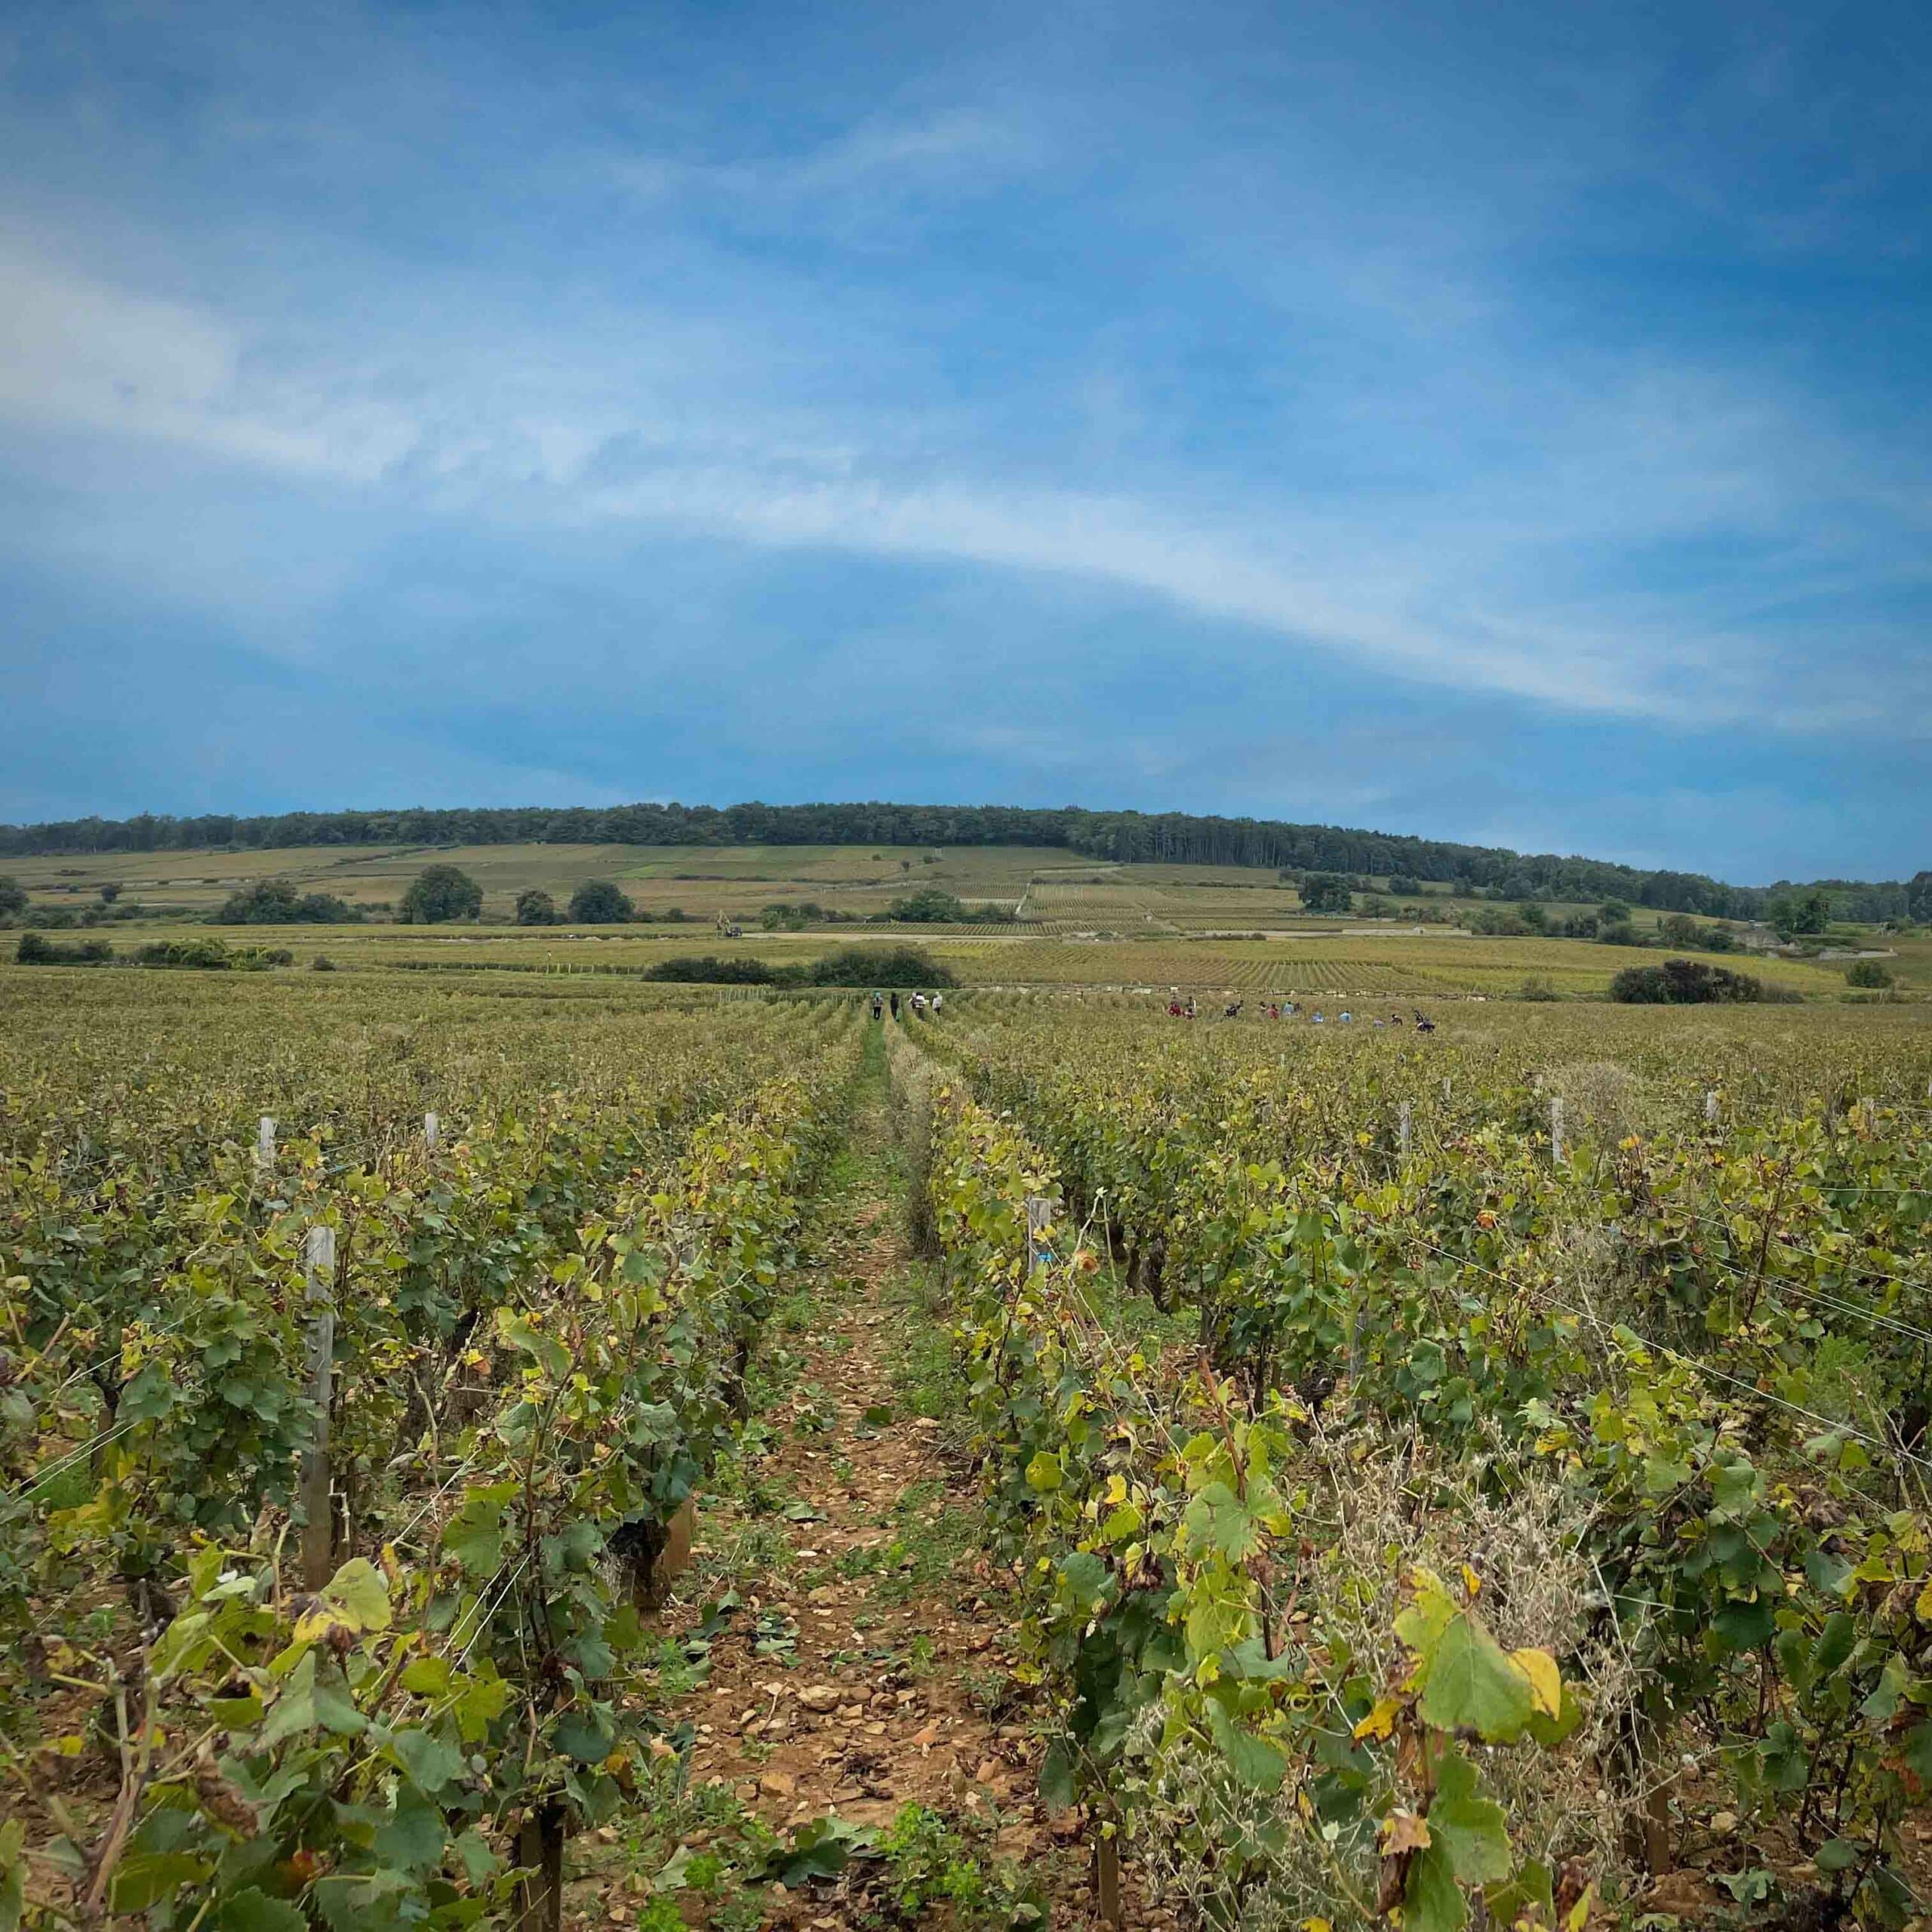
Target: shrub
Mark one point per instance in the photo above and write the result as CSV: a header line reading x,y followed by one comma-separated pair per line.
x,y
35,948
880,966
1683,983
1325,892
1791,915
213,954
1404,886
1869,972
931,905
439,893
275,902
13,896
321,963
535,907
1488,923
598,902
1538,989
708,969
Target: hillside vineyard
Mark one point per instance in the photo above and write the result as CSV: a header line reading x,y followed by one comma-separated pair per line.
x,y
1480,1474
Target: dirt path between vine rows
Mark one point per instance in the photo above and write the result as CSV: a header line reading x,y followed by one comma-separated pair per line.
x,y
864,1666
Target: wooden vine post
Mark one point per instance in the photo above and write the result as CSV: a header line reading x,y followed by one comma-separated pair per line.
x,y
540,1846
1039,1217
1556,1130
1106,1878
1402,1127
265,1143
432,1132
319,1524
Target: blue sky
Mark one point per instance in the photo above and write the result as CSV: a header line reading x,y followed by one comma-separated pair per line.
x,y
1498,422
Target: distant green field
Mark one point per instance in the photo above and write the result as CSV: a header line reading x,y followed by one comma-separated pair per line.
x,y
701,880
1083,923
1363,964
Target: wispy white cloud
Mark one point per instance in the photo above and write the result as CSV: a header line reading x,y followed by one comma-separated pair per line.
x,y
1480,591
880,164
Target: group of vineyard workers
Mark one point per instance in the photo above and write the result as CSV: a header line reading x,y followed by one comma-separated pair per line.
x,y
920,1004
1288,1009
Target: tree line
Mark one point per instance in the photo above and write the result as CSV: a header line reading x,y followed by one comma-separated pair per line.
x,y
1177,838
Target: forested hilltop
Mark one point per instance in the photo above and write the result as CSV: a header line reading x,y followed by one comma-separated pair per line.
x,y
1173,837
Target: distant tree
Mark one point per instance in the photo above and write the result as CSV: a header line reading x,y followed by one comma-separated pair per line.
x,y
439,893
929,905
707,969
1868,973
535,907
1683,983
110,892
36,949
1680,929
1536,917
1918,898
1404,886
1614,911
1491,922
13,896
1325,892
881,966
274,902
598,903
1793,916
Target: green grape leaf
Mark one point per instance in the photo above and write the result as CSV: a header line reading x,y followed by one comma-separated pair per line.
x,y
475,1534
413,1836
1471,1828
1432,1900
253,1911
586,1735
1472,1684
1255,1762
1218,1519
1056,1787
145,1879
430,1762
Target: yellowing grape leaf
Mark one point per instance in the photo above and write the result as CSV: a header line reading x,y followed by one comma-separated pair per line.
x,y
1545,1680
